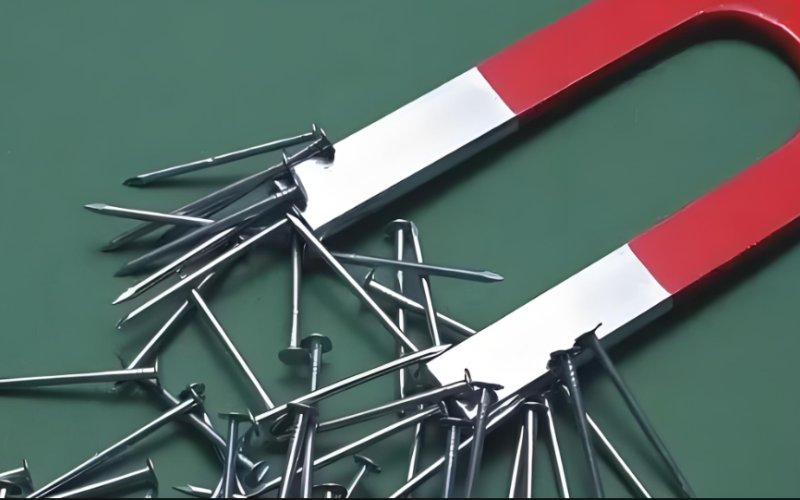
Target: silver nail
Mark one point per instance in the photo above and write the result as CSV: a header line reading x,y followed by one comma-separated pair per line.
x,y
79,378
301,414
147,216
144,476
365,467
294,354
318,345
419,268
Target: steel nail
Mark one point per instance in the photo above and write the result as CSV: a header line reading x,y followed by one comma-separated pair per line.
x,y
530,432
419,268
356,380
232,450
623,467
516,470
399,236
230,347
488,397
168,270
563,366
294,354
189,280
144,476
318,345
331,490
20,477
317,245
79,378
454,426
591,342
147,216
192,399
415,307
498,416
365,467
289,194
555,450
301,414
216,161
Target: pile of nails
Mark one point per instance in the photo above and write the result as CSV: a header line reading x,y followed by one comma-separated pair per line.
x,y
202,241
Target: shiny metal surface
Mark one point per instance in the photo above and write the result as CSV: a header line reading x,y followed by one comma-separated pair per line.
x,y
427,398
412,306
415,454
21,478
301,414
144,476
251,212
147,216
454,426
172,267
231,450
294,354
318,345
487,398
79,378
365,467
357,446
331,490
555,451
516,470
230,347
399,236
445,126
216,161
356,380
616,291
498,416
194,399
619,462
340,271
418,267
189,280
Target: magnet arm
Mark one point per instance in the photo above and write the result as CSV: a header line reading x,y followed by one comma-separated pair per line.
x,y
559,62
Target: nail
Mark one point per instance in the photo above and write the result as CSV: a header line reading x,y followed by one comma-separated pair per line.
x,y
20,477
331,490
591,342
143,180
7,488
555,451
455,427
147,216
168,270
292,193
427,398
563,366
300,414
189,280
314,243
318,345
399,236
430,311
295,355
356,447
230,347
205,428
498,416
79,378
192,399
488,397
421,269
622,466
144,476
415,307
356,380
529,432
232,449
365,467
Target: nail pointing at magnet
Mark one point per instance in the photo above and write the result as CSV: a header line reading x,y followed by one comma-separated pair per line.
x,y
79,378
147,216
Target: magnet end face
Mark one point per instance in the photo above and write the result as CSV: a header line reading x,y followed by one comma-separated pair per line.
x,y
361,460
294,356
317,338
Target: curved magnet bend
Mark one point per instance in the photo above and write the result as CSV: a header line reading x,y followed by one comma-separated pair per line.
x,y
558,62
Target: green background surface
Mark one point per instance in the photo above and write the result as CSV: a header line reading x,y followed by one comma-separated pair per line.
x,y
93,92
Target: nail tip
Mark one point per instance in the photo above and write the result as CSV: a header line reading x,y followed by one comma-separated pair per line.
x,y
134,182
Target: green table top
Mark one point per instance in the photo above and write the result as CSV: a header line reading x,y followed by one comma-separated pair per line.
x,y
93,92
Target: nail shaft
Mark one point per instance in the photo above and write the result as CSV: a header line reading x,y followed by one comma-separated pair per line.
x,y
401,313
114,450
293,455
517,467
229,475
78,378
148,216
425,282
143,476
451,461
189,280
417,308
481,421
170,268
231,348
356,380
314,243
555,451
498,416
216,161
297,272
420,268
